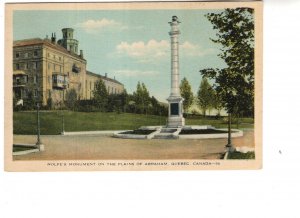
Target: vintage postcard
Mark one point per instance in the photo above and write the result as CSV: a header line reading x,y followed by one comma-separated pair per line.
x,y
133,86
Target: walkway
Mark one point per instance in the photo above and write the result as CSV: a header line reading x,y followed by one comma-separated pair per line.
x,y
96,147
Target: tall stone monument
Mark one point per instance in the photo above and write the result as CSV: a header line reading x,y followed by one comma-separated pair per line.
x,y
175,118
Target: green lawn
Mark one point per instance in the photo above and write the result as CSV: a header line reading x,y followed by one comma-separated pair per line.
x,y
22,148
51,121
239,155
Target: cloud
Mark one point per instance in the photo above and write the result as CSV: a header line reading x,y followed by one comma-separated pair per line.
x,y
130,73
153,50
190,49
93,26
144,51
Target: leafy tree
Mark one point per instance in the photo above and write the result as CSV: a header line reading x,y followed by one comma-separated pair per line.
x,y
216,102
100,95
141,98
205,96
234,84
30,101
186,93
71,98
49,102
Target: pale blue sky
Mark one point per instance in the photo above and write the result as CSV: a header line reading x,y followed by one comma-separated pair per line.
x,y
131,45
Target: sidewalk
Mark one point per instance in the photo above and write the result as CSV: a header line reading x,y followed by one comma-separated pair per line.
x,y
101,147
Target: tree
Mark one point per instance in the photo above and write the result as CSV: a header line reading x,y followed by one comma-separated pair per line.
x,y
216,102
141,98
30,101
50,103
205,96
186,93
100,95
234,84
71,98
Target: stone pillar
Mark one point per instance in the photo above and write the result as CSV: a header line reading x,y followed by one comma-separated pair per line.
x,y
175,100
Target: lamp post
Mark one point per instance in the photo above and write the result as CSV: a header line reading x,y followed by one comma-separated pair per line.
x,y
39,143
62,115
230,146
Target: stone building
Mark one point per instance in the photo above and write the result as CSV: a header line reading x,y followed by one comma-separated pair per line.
x,y
112,86
49,69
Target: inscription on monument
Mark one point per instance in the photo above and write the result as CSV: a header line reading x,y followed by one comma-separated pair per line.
x,y
174,109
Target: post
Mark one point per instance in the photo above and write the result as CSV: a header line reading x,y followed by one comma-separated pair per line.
x,y
229,146
63,117
63,124
39,143
38,124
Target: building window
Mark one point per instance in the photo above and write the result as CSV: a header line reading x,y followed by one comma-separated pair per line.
x,y
18,66
25,79
48,55
34,65
60,58
49,66
90,85
35,53
26,55
60,69
34,79
25,66
17,54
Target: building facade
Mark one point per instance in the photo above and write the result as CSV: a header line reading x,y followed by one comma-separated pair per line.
x,y
48,69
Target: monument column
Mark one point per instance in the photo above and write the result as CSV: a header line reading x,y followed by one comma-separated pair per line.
x,y
175,118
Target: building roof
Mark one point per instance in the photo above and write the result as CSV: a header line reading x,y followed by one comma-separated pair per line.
x,y
47,42
103,77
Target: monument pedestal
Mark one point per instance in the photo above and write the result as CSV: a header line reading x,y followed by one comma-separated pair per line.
x,y
175,118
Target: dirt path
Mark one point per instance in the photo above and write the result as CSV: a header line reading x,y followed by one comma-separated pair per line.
x,y
95,147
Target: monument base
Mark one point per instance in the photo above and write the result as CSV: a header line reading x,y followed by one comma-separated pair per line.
x,y
174,122
175,118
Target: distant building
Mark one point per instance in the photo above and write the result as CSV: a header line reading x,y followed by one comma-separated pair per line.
x,y
112,86
50,68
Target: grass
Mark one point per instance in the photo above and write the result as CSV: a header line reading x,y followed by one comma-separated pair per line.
x,y
22,148
244,123
51,121
240,155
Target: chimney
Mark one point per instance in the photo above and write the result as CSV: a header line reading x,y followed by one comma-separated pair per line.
x,y
53,38
81,53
